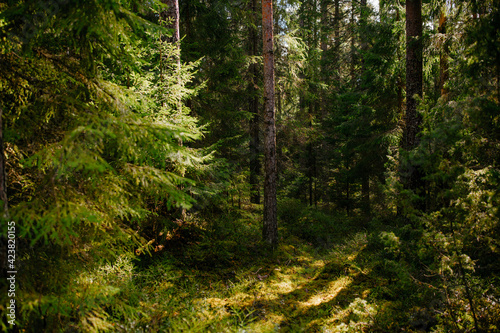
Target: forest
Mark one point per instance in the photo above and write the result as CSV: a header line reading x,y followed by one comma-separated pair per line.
x,y
250,166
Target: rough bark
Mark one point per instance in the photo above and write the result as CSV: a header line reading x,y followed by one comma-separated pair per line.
x,y
172,17
254,110
270,228
413,71
412,178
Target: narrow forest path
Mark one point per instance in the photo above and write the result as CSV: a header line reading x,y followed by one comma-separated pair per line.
x,y
232,286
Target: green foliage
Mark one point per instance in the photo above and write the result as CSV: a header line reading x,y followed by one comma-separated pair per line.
x,y
310,224
98,147
125,223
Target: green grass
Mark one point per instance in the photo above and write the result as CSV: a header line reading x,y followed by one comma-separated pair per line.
x,y
215,275
218,278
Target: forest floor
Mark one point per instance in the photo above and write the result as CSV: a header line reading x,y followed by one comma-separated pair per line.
x,y
221,279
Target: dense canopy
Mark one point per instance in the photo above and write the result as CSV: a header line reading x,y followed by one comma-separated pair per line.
x,y
238,166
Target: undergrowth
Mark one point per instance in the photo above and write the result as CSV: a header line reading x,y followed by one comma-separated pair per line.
x,y
217,277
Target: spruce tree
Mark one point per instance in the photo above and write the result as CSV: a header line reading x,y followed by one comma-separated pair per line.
x,y
270,228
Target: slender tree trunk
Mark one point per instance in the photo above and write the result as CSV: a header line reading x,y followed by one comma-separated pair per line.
x,y
311,154
353,46
400,82
365,178
172,15
324,48
336,23
270,228
254,110
412,178
188,36
352,75
315,107
172,18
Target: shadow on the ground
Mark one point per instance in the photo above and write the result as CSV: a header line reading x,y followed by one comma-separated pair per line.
x,y
326,294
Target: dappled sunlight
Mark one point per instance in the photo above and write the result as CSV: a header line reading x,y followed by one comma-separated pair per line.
x,y
300,288
312,291
216,302
283,286
358,316
327,294
340,174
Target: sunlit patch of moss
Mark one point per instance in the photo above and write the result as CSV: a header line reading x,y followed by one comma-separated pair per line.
x,y
328,294
283,284
359,316
215,302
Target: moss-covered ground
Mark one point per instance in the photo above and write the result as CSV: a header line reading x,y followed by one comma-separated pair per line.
x,y
218,277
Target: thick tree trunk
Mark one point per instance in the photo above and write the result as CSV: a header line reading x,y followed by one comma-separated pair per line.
x,y
412,178
254,110
172,17
413,71
270,228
